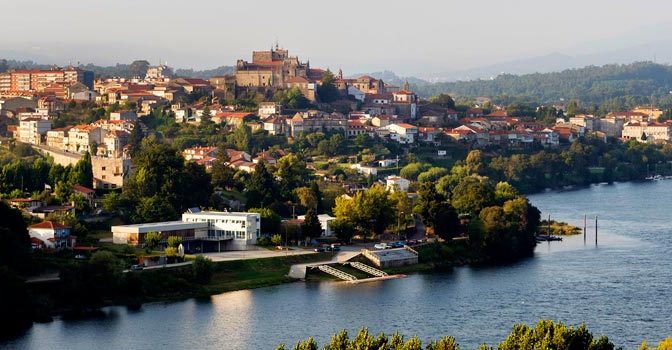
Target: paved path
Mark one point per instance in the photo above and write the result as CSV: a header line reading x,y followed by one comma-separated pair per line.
x,y
298,271
255,254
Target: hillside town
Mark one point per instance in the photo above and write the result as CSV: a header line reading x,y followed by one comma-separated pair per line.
x,y
282,97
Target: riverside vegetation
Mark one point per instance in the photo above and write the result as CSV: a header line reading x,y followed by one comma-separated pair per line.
x,y
545,335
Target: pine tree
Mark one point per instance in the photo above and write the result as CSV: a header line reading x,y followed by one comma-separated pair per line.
x,y
311,225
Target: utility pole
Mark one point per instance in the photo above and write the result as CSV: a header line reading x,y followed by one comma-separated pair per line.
x,y
595,229
585,217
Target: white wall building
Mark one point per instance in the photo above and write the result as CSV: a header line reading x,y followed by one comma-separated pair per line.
x,y
32,129
200,230
396,183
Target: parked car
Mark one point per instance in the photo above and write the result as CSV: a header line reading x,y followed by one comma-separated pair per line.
x,y
382,246
80,257
137,267
319,250
399,244
335,247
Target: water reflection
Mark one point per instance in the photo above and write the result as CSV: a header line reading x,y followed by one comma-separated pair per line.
x,y
619,288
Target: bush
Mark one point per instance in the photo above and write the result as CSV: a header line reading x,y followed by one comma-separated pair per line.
x,y
202,269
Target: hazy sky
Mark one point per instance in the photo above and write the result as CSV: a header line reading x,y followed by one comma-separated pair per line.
x,y
408,37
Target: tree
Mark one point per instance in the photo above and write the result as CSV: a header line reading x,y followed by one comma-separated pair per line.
x,y
174,241
270,221
15,250
82,173
317,193
370,211
444,100
343,229
291,173
222,174
412,170
153,209
276,239
327,91
306,197
504,192
294,99
138,68
549,335
202,269
241,137
15,301
311,226
152,240
260,190
135,139
472,194
437,212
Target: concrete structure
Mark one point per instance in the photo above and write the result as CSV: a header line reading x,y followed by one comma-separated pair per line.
x,y
31,80
200,230
391,257
52,235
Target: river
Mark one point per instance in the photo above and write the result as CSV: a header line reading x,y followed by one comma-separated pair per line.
x,y
619,287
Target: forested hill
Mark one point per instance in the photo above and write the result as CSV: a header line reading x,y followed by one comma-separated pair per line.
x,y
628,84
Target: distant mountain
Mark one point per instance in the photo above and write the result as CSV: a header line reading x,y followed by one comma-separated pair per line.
x,y
661,51
390,77
616,85
205,74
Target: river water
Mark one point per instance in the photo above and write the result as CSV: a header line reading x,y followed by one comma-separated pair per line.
x,y
620,287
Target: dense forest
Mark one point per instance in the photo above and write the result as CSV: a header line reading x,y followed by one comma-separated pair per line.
x,y
614,86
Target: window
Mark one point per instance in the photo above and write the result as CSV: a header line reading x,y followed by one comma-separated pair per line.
x,y
240,234
103,168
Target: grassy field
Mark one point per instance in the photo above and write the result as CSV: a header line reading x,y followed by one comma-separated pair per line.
x,y
256,273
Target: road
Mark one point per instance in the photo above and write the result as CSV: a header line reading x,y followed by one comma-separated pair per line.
x,y
255,254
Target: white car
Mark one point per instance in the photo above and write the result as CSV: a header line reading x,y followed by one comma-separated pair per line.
x,y
381,246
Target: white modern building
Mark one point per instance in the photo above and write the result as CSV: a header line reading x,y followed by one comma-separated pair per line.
x,y
201,231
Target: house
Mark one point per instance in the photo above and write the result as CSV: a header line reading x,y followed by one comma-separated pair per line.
x,y
200,231
113,144
124,115
51,235
232,119
27,204
267,109
88,193
397,183
274,125
31,130
81,138
646,131
429,135
385,163
57,138
364,169
403,133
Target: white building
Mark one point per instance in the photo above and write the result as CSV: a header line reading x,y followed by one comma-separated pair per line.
x,y
396,183
267,109
643,131
200,231
403,133
52,235
32,129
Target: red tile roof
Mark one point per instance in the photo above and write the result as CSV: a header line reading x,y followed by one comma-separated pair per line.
x,y
48,225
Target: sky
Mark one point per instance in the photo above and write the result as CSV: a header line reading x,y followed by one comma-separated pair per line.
x,y
408,37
